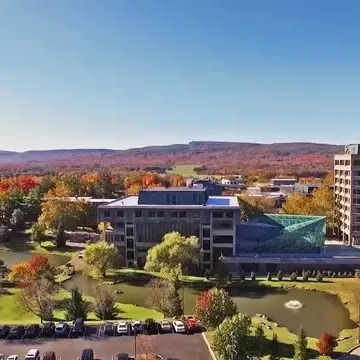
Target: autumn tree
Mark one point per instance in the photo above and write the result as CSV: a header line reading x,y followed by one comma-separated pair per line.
x,y
255,205
234,339
37,297
174,255
102,256
57,207
163,296
105,307
326,344
213,306
38,267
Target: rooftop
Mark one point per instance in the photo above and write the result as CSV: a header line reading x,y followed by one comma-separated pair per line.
x,y
213,201
174,188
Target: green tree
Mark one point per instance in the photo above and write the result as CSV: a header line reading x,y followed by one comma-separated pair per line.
x,y
279,275
17,220
174,255
274,346
222,273
37,232
76,307
300,345
213,306
60,235
105,307
259,338
101,255
233,339
4,233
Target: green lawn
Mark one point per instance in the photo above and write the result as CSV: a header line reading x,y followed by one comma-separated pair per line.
x,y
184,170
12,313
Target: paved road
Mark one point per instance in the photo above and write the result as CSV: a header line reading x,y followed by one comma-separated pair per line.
x,y
176,346
354,355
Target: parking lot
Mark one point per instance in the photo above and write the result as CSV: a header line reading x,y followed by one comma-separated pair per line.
x,y
174,346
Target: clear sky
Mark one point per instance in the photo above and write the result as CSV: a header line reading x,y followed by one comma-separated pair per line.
x,y
129,73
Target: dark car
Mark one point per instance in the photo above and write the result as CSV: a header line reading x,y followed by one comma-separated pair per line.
x,y
48,329
4,331
16,332
150,326
108,328
32,331
87,354
62,329
122,356
79,327
49,355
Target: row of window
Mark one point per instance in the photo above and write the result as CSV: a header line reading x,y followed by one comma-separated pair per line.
x,y
347,162
173,214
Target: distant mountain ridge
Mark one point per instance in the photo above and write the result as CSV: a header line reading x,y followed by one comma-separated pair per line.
x,y
208,154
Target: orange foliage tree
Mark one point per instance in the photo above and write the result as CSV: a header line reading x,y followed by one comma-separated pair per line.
x,y
326,343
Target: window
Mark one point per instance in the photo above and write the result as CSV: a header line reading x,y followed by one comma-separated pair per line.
x,y
182,214
347,162
168,199
129,231
206,256
206,244
337,162
357,173
139,238
138,214
173,214
120,214
229,214
173,199
196,215
356,163
195,199
130,243
223,239
160,214
206,232
119,237
152,214
130,255
120,225
217,214
106,214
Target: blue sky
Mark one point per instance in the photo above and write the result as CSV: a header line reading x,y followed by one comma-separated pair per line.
x,y
128,73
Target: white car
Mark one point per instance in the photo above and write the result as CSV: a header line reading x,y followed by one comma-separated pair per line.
x,y
179,327
13,357
122,328
33,354
165,325
81,254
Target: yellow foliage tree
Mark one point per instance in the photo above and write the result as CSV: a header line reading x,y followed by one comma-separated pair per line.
x,y
57,208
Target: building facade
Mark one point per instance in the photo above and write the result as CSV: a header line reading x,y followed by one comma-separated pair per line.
x,y
347,193
137,223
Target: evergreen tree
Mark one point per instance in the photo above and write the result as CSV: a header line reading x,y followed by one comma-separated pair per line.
x,y
259,340
76,307
300,345
60,235
274,346
175,303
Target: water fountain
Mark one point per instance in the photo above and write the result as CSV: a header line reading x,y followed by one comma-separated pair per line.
x,y
293,304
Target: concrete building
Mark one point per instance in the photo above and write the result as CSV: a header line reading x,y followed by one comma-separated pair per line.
x,y
137,223
305,189
213,187
279,182
347,193
277,197
235,183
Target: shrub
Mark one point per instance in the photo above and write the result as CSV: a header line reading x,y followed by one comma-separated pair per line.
x,y
252,276
207,274
268,277
326,344
305,276
339,275
333,275
319,277
345,274
279,275
329,273
350,275
314,273
293,276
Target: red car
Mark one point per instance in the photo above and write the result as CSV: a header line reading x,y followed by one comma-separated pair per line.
x,y
192,324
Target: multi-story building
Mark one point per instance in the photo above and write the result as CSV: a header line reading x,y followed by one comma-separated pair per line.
x,y
280,182
347,193
305,188
136,223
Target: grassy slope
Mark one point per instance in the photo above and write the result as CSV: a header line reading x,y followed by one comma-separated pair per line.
x,y
184,170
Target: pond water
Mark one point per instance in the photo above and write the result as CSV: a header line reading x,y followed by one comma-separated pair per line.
x,y
319,311
11,258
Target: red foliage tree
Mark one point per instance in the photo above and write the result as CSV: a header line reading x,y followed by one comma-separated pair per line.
x,y
326,343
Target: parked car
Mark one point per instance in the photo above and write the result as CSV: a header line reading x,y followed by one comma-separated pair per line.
x,y
179,327
108,328
48,329
32,331
87,354
122,356
12,357
192,325
165,326
79,327
33,354
150,326
4,331
16,332
122,328
61,329
49,355
136,326
1,356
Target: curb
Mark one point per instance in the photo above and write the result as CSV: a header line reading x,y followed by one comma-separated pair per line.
x,y
343,356
208,345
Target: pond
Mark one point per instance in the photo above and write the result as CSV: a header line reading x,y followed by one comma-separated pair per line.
x,y
11,258
319,311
